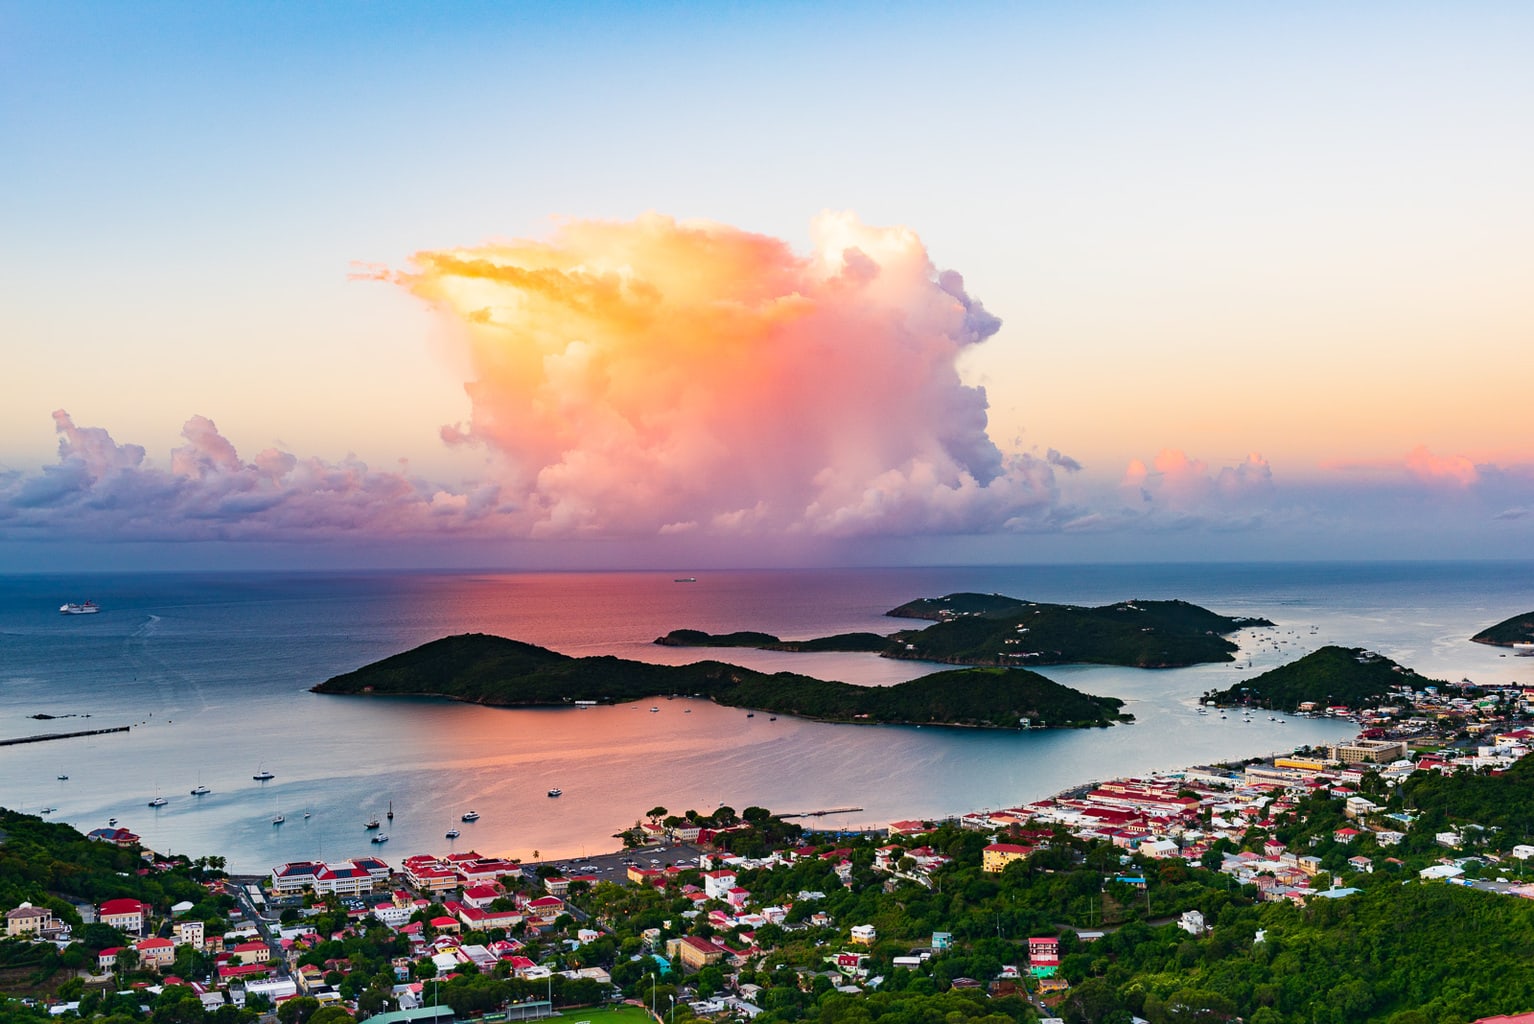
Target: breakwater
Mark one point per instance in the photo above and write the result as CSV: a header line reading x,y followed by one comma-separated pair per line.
x,y
40,737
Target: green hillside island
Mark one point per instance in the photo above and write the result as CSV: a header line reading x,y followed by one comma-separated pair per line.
x,y
495,671
990,629
1517,630
1349,676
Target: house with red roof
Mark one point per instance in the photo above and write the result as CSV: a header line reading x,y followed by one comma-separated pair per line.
x,y
115,836
717,883
155,952
126,915
997,856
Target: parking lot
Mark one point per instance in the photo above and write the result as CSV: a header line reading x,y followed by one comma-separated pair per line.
x,y
613,867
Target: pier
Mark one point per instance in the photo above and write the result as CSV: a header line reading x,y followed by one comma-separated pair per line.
x,y
40,737
821,814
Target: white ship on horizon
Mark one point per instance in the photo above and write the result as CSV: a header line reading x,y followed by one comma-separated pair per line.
x,y
83,608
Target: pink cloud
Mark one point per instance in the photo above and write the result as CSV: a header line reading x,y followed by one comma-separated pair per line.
x,y
1456,470
656,377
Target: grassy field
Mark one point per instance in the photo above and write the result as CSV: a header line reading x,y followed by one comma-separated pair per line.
x,y
616,1015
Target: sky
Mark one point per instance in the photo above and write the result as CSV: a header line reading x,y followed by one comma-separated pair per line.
x,y
686,285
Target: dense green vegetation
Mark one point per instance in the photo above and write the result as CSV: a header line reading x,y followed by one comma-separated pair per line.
x,y
497,671
989,629
856,642
1144,634
49,864
1500,805
1516,630
1350,676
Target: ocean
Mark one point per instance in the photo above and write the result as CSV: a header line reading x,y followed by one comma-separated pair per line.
x,y
212,670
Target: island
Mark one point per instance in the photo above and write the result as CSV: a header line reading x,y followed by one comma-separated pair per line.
x,y
500,672
1347,676
1513,632
991,629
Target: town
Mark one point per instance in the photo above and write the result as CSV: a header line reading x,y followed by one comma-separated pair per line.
x,y
1118,900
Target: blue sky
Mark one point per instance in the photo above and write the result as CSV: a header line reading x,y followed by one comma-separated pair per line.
x,y
1210,233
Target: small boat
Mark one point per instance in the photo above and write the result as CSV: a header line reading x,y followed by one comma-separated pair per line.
x,y
263,775
654,710
390,815
306,812
556,792
685,579
453,833
687,711
382,837
111,821
471,816
278,819
83,608
63,778
370,824
772,718
201,790
46,810
158,801
750,714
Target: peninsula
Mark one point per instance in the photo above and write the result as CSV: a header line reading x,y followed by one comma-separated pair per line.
x,y
1347,676
1517,630
492,670
990,629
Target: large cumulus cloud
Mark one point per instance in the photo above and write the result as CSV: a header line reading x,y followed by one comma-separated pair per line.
x,y
655,377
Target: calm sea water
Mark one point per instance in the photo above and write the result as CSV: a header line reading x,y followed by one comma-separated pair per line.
x,y
212,671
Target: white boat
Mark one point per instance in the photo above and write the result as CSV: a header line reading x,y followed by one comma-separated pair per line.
x,y
471,816
83,608
453,833
278,819
654,711
263,776
201,790
556,792
382,837
158,801
63,777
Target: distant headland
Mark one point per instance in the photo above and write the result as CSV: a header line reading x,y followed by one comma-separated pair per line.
x,y
991,629
1509,632
1347,676
483,669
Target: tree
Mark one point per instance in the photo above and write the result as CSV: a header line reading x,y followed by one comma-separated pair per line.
x,y
656,813
297,1010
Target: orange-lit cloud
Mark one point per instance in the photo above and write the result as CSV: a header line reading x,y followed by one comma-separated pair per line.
x,y
1177,480
1452,469
656,377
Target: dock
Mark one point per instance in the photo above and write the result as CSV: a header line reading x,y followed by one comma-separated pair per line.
x,y
40,737
821,814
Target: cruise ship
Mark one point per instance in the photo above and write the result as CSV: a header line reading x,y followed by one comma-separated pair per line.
x,y
83,608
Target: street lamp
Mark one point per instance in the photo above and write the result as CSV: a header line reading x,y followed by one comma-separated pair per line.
x,y
652,994
673,1008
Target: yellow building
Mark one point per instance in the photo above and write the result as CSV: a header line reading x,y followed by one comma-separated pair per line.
x,y
997,856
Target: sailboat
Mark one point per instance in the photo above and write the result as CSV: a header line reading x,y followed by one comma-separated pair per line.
x,y
278,819
158,801
390,815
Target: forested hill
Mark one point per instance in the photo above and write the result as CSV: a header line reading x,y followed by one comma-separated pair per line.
x,y
1517,630
497,671
1349,676
990,629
